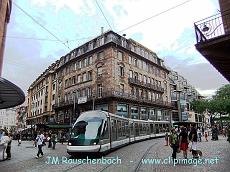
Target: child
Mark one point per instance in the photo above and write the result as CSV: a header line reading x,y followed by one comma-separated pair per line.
x,y
206,136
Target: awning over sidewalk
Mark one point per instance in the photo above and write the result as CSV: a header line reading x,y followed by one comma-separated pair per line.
x,y
10,94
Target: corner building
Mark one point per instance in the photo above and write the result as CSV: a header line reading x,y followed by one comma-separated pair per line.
x,y
114,74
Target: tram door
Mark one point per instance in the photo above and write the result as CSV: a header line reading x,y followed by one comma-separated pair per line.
x,y
137,132
151,129
114,129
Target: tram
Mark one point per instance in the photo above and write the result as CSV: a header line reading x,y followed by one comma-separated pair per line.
x,y
100,132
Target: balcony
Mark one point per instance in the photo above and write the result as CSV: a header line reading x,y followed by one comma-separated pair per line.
x,y
213,41
133,81
119,95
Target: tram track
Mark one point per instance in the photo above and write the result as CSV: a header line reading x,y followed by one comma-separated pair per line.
x,y
143,157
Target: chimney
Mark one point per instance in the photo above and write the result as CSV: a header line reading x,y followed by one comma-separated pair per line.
x,y
102,30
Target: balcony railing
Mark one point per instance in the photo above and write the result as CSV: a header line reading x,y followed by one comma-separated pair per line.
x,y
212,27
146,85
117,94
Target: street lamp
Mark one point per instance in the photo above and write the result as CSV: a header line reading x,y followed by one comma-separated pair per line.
x,y
178,105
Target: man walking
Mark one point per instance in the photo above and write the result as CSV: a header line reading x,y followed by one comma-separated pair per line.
x,y
39,141
193,139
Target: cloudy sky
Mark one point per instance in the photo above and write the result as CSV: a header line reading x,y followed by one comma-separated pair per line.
x,y
30,48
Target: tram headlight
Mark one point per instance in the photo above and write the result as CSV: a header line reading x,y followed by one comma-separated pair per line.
x,y
69,144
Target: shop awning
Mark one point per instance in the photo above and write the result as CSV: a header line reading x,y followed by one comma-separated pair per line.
x,y
56,126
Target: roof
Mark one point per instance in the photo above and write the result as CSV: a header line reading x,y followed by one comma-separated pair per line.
x,y
10,94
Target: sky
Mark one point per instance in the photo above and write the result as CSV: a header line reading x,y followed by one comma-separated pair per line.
x,y
58,26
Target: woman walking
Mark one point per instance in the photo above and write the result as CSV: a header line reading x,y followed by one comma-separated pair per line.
x,y
183,142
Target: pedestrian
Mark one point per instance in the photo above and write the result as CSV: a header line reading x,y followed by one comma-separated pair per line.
x,y
54,140
193,139
174,142
8,148
19,139
166,139
39,140
202,131
224,132
4,143
49,141
199,134
206,136
183,141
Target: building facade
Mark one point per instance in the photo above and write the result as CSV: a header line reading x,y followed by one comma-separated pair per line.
x,y
5,10
8,119
109,73
41,97
182,94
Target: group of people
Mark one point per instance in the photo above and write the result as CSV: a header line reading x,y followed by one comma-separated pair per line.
x,y
5,143
40,142
180,141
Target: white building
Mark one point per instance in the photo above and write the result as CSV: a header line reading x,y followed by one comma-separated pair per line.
x,y
8,118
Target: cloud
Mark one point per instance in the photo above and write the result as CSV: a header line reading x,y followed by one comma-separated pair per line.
x,y
202,75
170,35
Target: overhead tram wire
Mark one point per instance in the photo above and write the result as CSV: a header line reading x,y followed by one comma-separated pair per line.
x,y
103,15
156,15
40,25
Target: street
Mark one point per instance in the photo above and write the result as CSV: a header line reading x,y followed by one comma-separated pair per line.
x,y
150,155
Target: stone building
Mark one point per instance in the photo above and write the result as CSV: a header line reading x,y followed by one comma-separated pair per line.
x,y
110,73
182,94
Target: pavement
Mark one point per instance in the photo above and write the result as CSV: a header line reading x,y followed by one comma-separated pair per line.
x,y
150,155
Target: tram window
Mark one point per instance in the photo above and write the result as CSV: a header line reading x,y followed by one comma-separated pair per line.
x,y
125,128
105,133
119,131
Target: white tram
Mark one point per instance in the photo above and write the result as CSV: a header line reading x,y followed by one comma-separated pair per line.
x,y
100,131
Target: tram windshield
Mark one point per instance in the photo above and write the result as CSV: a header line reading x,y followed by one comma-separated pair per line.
x,y
87,129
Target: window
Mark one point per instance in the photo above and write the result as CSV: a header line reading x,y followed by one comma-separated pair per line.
x,y
121,70
134,112
100,55
130,60
122,88
149,80
99,90
122,110
53,96
89,92
135,62
85,62
73,80
130,74
84,77
90,60
120,56
144,79
99,71
140,77
135,76
78,78
89,76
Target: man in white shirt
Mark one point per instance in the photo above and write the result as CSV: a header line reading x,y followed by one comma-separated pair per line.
x,y
39,140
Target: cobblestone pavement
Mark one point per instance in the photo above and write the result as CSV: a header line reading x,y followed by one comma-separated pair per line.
x,y
132,158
